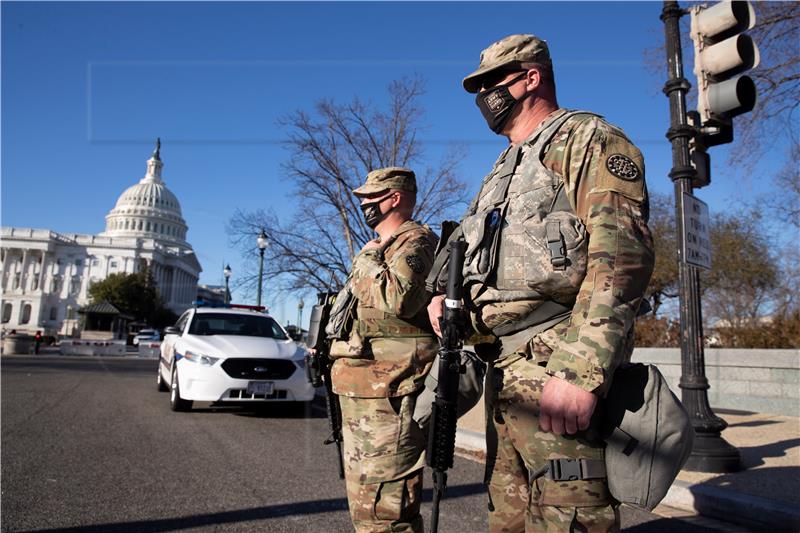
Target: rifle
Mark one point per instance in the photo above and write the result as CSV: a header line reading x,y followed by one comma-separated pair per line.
x,y
442,434
318,369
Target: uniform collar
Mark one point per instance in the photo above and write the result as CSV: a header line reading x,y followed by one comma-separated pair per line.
x,y
548,120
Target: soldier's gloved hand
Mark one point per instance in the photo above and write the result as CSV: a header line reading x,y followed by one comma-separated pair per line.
x,y
435,312
565,407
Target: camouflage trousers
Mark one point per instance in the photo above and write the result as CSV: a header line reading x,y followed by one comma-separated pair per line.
x,y
383,461
516,448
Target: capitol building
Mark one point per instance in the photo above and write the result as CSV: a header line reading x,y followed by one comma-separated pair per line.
x,y
46,274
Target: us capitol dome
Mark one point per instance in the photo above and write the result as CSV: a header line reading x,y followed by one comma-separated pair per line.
x,y
148,209
45,275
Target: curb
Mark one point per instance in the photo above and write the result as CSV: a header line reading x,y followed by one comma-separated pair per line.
x,y
734,507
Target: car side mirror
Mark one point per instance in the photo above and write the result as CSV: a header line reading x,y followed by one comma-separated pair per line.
x,y
171,330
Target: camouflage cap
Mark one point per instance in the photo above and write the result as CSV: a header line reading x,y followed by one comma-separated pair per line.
x,y
387,178
508,52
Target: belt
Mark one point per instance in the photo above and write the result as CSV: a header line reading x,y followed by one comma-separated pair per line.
x,y
572,469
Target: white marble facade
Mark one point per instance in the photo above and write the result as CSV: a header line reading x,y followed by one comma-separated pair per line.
x,y
46,274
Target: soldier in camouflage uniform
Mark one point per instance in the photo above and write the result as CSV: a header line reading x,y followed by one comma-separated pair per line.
x,y
381,366
558,258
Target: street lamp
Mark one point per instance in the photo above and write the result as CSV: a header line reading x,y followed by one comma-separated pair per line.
x,y
300,305
262,245
227,273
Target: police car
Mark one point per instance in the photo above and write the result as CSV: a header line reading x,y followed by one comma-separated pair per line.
x,y
230,354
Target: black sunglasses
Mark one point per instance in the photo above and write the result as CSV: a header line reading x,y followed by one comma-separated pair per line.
x,y
493,78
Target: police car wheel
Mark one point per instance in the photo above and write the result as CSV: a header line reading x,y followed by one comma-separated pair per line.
x,y
175,401
162,386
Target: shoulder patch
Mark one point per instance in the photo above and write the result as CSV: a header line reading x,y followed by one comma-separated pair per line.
x,y
623,167
415,263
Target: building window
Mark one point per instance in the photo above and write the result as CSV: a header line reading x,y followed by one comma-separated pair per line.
x,y
26,314
78,262
7,313
147,227
36,282
17,278
74,285
95,261
70,313
112,264
53,313
55,285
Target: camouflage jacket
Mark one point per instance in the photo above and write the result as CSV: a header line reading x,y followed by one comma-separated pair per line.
x,y
603,177
391,346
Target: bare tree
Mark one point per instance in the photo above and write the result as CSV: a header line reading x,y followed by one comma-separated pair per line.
x,y
664,281
331,150
745,281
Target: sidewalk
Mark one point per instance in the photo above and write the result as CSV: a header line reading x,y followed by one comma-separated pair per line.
x,y
765,495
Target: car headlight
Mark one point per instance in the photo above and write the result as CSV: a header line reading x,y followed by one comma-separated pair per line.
x,y
205,360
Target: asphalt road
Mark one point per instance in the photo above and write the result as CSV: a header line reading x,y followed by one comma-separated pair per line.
x,y
88,444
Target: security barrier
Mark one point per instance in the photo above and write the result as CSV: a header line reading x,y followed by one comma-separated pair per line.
x,y
149,349
92,347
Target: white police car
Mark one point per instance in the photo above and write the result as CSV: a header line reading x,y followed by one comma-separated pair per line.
x,y
233,354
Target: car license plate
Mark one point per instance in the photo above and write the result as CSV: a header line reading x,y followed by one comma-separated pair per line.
x,y
260,387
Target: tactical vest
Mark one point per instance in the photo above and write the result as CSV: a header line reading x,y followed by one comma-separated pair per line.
x,y
373,323
524,241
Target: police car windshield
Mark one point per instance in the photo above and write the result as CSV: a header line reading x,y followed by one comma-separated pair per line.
x,y
229,324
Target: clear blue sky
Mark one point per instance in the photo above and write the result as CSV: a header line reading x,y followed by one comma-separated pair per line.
x,y
87,87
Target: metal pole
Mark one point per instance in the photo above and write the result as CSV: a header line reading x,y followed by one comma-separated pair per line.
x,y
260,275
300,306
711,453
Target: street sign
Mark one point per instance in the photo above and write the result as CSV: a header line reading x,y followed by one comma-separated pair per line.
x,y
696,237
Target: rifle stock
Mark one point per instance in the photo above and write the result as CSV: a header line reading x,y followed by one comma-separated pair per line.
x,y
444,416
318,369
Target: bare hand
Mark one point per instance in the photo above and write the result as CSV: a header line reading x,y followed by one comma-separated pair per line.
x,y
435,312
565,407
371,245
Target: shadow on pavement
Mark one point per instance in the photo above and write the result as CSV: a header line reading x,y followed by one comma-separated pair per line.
x,y
242,515
664,525
753,423
754,455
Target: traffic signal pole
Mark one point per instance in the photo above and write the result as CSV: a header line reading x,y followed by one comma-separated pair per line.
x,y
711,453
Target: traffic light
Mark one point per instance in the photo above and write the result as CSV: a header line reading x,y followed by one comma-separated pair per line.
x,y
721,53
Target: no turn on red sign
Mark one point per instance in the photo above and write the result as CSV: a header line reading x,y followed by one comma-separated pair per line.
x,y
696,234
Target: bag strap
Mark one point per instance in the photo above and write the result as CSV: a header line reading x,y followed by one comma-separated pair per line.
x,y
546,315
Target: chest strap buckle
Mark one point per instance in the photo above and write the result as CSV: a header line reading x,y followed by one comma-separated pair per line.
x,y
555,245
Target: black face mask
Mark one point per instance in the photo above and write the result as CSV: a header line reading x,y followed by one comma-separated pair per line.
x,y
497,104
372,212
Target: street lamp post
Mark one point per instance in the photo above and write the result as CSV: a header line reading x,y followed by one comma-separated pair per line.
x,y
711,453
300,306
262,245
227,273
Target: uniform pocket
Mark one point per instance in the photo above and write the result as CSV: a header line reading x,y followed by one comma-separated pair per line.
x,y
481,232
557,252
580,493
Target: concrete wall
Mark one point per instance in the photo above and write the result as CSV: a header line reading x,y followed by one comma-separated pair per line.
x,y
762,381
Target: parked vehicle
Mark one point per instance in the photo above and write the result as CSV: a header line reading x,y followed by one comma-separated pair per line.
x,y
231,354
146,335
